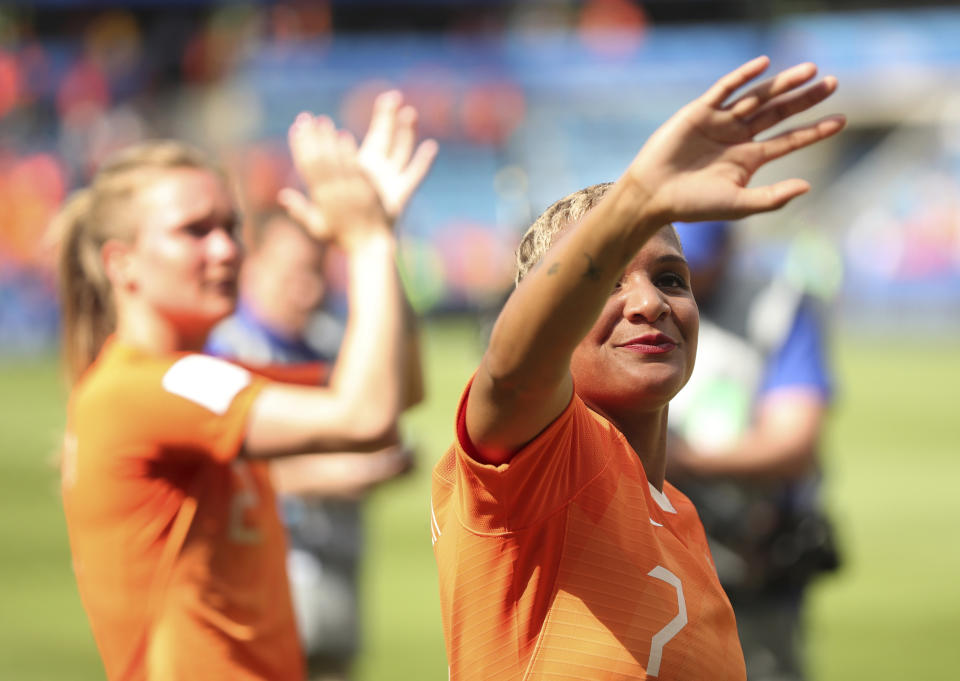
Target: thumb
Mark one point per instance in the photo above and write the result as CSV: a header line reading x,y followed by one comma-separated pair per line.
x,y
304,211
770,197
413,174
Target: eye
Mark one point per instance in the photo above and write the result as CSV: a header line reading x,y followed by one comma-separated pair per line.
x,y
232,226
197,229
671,280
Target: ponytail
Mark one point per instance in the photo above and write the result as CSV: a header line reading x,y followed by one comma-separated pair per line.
x,y
87,313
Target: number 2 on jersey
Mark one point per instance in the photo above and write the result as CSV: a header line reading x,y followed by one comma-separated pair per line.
x,y
245,499
673,627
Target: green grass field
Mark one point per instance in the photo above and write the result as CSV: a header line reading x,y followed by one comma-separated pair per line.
x,y
894,470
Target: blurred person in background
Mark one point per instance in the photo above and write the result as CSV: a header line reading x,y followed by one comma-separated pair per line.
x,y
177,546
745,439
279,320
280,316
562,551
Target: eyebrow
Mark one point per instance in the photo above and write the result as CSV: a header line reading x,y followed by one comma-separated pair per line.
x,y
671,257
233,218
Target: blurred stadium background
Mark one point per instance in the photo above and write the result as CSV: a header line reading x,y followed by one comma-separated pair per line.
x,y
529,100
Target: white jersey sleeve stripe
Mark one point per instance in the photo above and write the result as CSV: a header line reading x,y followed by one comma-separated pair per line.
x,y
210,382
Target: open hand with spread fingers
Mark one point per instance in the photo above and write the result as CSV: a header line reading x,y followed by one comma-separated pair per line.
x,y
697,165
343,203
388,152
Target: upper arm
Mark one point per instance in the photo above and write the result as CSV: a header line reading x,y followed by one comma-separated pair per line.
x,y
291,419
341,475
414,390
793,416
796,390
801,360
501,418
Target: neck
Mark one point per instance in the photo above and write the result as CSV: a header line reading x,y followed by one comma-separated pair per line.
x,y
148,331
289,326
647,434
262,303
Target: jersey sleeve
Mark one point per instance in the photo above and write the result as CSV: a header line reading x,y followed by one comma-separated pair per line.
x,y
194,406
801,359
303,373
538,480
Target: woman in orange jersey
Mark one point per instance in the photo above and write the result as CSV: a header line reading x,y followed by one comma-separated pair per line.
x,y
177,548
562,551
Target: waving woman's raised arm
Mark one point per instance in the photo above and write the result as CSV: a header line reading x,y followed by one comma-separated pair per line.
x,y
694,167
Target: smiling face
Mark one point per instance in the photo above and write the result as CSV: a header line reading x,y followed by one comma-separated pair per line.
x,y
186,258
641,349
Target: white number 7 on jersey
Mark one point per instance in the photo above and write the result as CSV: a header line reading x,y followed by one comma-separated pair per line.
x,y
673,627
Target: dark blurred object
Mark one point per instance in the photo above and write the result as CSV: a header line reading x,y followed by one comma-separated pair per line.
x,y
764,547
746,437
441,14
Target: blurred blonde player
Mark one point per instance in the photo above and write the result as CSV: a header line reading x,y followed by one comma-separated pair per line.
x,y
562,551
279,321
177,548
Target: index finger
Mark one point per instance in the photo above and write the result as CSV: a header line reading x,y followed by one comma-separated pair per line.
x,y
383,122
734,80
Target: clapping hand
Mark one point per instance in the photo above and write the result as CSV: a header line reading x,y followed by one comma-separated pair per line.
x,y
343,203
387,152
368,184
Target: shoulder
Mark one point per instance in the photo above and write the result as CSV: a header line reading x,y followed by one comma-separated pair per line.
x,y
537,482
445,470
210,382
688,520
124,380
576,431
801,359
442,488
680,501
135,405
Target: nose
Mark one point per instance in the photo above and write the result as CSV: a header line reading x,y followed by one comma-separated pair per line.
x,y
643,301
222,245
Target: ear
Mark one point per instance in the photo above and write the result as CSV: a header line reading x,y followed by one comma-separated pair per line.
x,y
117,258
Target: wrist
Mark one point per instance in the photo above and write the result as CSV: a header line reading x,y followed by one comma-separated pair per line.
x,y
371,237
640,197
632,205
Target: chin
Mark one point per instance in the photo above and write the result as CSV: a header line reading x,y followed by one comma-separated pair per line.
x,y
202,321
630,398
657,386
220,308
229,307
647,387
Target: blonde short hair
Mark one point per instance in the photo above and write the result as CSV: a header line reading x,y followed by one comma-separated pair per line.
x,y
544,232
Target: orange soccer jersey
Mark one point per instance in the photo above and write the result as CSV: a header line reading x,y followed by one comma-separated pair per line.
x,y
566,563
177,547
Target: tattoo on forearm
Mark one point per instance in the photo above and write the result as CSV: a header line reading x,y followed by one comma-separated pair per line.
x,y
593,272
554,268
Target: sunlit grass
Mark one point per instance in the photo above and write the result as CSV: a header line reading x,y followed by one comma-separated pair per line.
x,y
893,470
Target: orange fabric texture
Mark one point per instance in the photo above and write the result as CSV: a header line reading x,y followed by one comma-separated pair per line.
x,y
565,563
303,373
177,547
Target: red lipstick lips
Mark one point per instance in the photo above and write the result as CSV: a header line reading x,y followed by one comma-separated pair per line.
x,y
650,344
